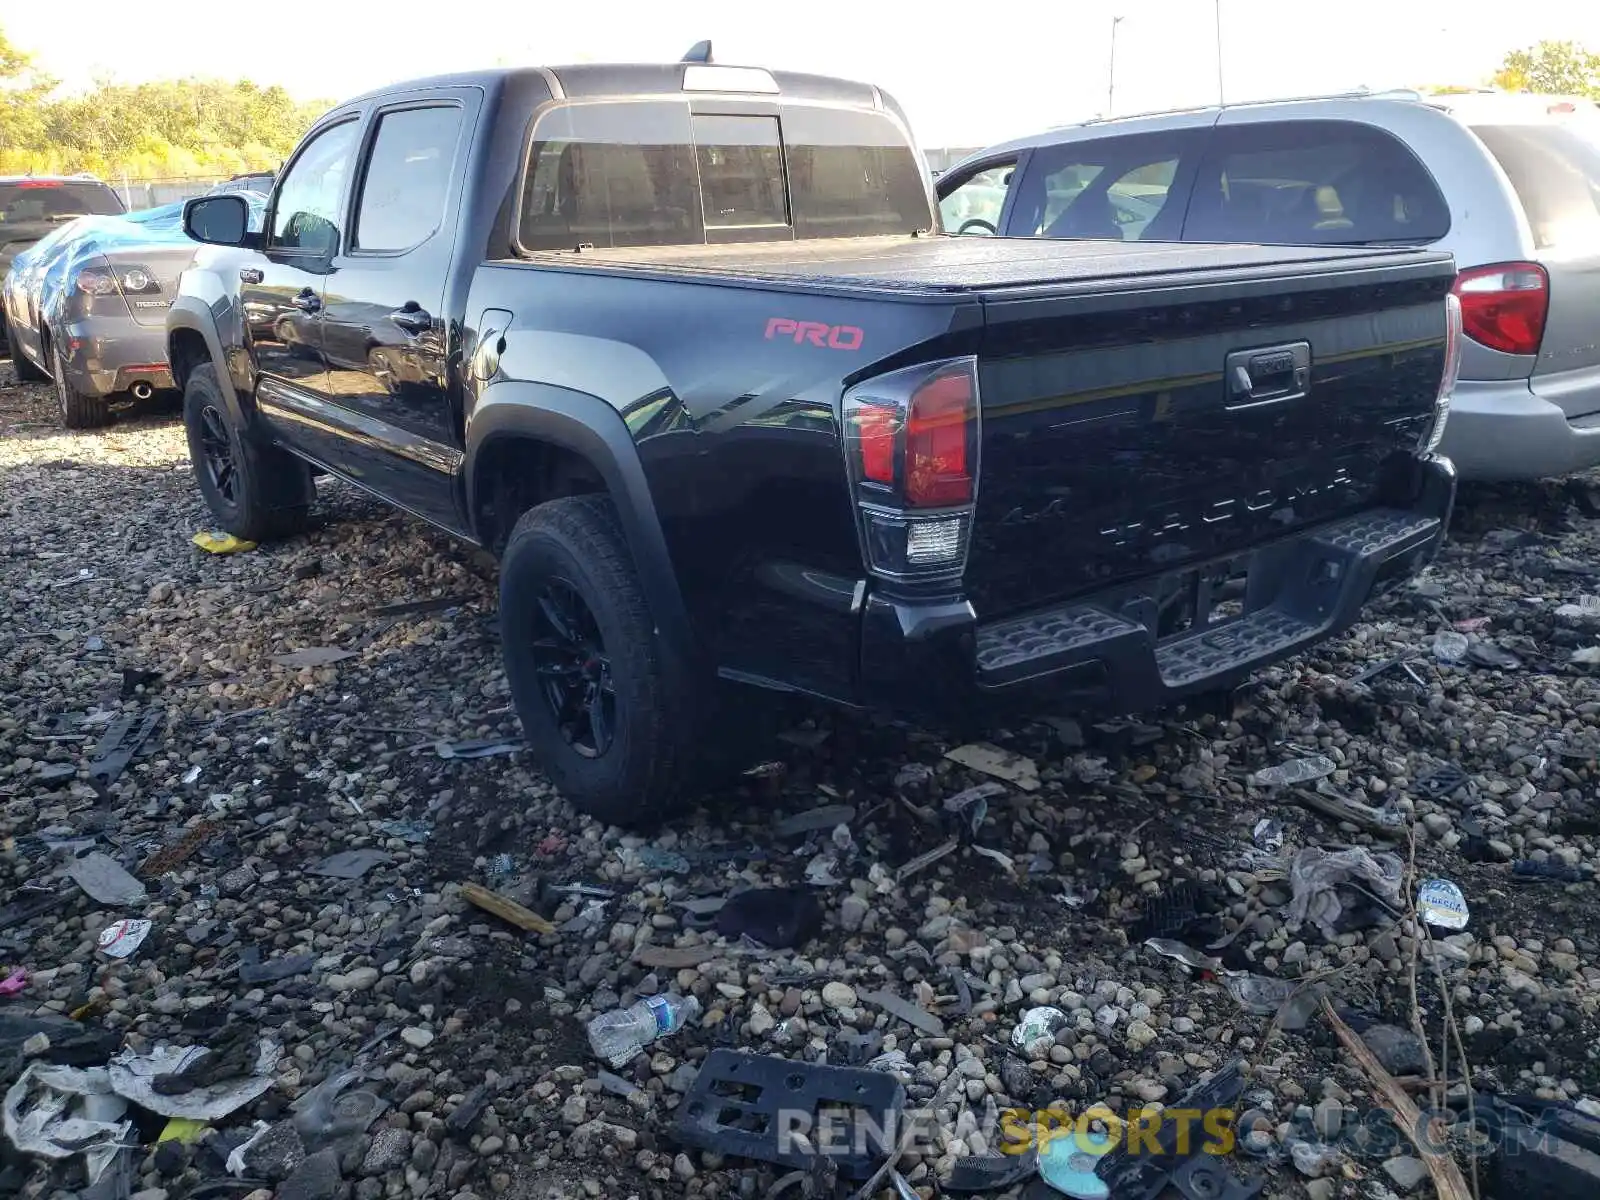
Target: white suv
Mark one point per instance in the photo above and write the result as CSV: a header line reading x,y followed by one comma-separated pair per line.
x,y
1510,184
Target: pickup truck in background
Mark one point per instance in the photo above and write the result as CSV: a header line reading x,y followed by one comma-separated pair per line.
x,y
685,345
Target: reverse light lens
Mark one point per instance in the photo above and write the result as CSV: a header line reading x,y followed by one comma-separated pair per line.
x,y
1504,306
136,279
94,281
934,542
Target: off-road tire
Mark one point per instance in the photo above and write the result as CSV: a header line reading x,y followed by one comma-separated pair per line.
x,y
78,411
645,775
273,489
21,364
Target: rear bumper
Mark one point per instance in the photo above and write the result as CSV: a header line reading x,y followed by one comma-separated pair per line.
x,y
1507,430
938,660
112,355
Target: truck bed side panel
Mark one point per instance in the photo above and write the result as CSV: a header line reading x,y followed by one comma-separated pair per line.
x,y
730,395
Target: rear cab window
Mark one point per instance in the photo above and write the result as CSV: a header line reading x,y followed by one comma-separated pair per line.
x,y
1554,166
29,200
613,174
1313,183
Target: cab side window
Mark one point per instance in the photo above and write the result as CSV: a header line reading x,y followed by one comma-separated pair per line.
x,y
1126,189
973,206
305,218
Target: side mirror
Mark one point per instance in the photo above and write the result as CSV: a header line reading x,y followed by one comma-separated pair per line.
x,y
222,220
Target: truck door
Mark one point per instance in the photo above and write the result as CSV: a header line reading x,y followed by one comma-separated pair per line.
x,y
281,288
386,332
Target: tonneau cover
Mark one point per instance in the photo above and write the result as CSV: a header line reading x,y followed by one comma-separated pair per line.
x,y
959,264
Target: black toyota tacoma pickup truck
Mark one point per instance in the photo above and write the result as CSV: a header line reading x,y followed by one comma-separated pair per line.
x,y
685,346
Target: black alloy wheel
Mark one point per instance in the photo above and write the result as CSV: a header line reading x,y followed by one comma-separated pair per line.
x,y
217,454
573,669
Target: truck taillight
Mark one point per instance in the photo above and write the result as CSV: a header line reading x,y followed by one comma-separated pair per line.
x,y
911,442
1504,306
1448,376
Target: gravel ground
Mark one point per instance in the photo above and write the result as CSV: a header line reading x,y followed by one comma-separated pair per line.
x,y
472,1032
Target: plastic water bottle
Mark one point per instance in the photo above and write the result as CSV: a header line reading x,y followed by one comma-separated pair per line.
x,y
618,1035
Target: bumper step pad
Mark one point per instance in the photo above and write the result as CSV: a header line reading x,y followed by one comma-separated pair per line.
x,y
1321,581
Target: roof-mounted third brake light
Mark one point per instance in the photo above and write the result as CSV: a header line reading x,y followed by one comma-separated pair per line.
x,y
699,75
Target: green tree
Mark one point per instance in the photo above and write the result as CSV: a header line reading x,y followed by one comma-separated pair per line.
x,y
1563,68
172,127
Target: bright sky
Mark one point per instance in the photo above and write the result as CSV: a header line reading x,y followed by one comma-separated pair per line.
x,y
966,74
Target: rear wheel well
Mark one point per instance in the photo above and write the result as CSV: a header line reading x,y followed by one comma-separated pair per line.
x,y
514,474
186,350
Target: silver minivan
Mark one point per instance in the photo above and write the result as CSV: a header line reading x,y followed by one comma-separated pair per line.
x,y
1509,183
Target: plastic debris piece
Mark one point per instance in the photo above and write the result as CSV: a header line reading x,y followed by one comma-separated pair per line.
x,y
812,820
1004,861
13,983
1036,1025
779,918
253,970
823,870
1297,770
1444,780
1472,624
328,1113
415,832
236,1164
925,860
1315,1159
909,1013
1587,656
1067,1162
192,774
1527,868
1187,955
121,938
182,1129
1002,764
506,909
991,1172
1440,902
58,1111
351,864
619,1035
313,656
476,748
133,1077
1268,834
214,541
1321,881
654,858
972,805
1488,654
1450,646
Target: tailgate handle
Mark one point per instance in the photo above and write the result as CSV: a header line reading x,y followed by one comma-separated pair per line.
x,y
1269,375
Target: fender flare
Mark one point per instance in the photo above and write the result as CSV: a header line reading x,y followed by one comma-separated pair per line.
x,y
192,314
593,429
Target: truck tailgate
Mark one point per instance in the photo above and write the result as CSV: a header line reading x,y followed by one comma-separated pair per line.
x,y
1138,426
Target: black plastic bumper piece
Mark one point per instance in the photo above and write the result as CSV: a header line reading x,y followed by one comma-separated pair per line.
x,y
778,1111
1101,652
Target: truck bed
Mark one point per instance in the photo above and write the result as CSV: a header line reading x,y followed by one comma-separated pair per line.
x,y
945,264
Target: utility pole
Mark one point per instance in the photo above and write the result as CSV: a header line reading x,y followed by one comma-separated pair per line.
x,y
1111,73
1220,99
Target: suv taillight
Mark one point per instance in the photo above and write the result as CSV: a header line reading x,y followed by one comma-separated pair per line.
x,y
911,441
1447,378
1504,306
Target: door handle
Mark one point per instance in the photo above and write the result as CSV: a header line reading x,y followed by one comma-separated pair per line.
x,y
307,301
412,318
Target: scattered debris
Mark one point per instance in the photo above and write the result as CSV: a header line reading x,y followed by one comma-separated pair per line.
x,y
814,820
351,864
1295,771
120,743
59,1111
506,909
1335,890
742,1104
476,748
619,1035
313,656
121,938
1450,646
105,881
216,541
906,1011
1037,1025
925,860
779,918
1002,764
1440,902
